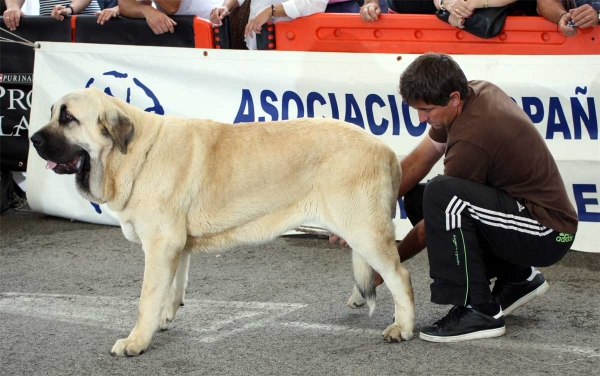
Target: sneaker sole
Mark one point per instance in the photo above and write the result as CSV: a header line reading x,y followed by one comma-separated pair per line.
x,y
490,333
527,298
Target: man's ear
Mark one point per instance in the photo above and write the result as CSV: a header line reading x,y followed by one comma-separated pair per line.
x,y
119,127
455,98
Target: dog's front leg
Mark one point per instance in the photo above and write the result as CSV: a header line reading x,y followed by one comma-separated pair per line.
x,y
159,271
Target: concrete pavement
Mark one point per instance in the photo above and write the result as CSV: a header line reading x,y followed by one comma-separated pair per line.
x,y
69,290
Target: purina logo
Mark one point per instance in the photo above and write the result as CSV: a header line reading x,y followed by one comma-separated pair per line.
x,y
16,78
131,90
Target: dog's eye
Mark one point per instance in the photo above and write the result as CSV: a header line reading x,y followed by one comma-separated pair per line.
x,y
66,118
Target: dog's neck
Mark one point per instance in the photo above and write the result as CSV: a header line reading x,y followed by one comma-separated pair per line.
x,y
124,168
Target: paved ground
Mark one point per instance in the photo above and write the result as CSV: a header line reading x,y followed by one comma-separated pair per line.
x,y
68,290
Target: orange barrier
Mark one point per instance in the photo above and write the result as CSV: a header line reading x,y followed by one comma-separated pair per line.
x,y
203,33
416,34
409,33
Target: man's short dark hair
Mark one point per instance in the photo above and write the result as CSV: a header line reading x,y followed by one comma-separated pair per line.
x,y
431,78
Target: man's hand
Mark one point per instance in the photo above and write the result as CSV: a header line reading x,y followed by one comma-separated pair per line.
x,y
569,31
106,14
370,11
217,15
335,238
12,18
159,22
584,16
256,23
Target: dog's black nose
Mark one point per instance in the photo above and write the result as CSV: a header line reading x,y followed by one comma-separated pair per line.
x,y
37,140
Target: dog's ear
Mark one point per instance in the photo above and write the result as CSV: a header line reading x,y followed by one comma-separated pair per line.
x,y
119,127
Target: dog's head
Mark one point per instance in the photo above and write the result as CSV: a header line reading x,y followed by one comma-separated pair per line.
x,y
85,126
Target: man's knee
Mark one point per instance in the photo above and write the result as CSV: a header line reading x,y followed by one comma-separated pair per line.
x,y
437,187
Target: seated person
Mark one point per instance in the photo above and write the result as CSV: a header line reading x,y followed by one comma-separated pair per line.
x,y
262,11
13,13
158,18
583,13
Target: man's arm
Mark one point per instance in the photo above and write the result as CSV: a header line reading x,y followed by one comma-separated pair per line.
x,y
134,9
170,7
159,22
415,167
550,10
418,163
583,16
554,11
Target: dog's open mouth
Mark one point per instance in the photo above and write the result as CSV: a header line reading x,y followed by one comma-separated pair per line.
x,y
72,167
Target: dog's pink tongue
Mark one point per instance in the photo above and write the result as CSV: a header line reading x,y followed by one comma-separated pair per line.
x,y
50,165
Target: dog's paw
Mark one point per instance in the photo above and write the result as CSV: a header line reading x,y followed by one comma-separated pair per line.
x,y
128,347
356,299
395,333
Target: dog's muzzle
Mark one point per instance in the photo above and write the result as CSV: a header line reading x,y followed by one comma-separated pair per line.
x,y
61,157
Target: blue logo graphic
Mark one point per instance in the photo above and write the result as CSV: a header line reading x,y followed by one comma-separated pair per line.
x,y
131,90
141,95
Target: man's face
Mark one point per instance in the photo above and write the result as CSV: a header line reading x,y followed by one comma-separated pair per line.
x,y
439,116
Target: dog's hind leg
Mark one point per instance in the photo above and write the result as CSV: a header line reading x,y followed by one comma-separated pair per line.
x,y
383,257
175,298
397,279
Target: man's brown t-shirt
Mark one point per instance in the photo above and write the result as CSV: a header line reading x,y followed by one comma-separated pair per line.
x,y
493,142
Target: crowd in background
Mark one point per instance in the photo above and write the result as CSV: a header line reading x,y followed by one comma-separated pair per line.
x,y
248,16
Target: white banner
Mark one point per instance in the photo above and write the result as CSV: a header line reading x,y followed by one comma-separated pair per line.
x,y
558,93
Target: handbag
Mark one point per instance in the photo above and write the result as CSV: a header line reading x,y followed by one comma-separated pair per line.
x,y
485,23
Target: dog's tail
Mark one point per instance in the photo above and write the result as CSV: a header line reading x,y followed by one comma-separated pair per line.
x,y
364,278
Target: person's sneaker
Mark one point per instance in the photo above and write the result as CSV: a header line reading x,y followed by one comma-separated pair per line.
x,y
464,324
512,295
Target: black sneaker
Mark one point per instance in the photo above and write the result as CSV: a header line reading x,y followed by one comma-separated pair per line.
x,y
511,296
464,324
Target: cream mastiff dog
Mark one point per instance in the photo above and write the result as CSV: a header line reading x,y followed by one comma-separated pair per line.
x,y
193,185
